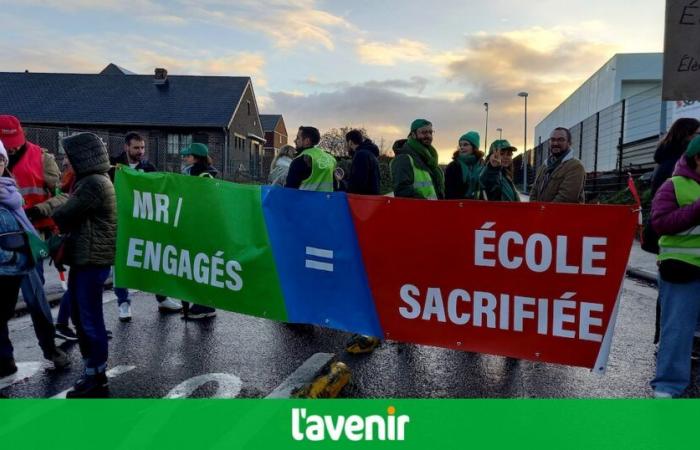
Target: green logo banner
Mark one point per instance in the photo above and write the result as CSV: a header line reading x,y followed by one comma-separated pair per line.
x,y
197,239
385,423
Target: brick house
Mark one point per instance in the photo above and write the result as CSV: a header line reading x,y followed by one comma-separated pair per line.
x,y
170,111
275,137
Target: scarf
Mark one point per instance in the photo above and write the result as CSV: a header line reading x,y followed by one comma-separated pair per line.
x,y
11,199
429,158
470,174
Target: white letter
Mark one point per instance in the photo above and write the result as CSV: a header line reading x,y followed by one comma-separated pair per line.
x,y
134,252
519,312
381,428
589,255
217,270
184,270
231,268
480,309
562,250
151,258
542,316
586,321
503,258
530,256
295,425
481,247
334,429
201,268
457,294
559,318
353,428
434,305
143,205
406,291
504,312
403,420
162,203
170,260
314,428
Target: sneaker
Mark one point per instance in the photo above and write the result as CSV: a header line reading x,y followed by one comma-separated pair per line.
x,y
660,394
59,359
169,306
7,367
362,344
90,386
198,312
64,332
125,312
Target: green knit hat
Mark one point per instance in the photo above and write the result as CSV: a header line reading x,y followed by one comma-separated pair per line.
x,y
694,147
501,144
472,137
195,149
419,123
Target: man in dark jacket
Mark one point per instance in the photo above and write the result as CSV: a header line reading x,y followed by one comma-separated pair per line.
x,y
134,155
364,170
89,218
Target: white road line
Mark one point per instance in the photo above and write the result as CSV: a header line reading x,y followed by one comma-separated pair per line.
x,y
320,252
24,371
228,386
304,374
111,373
310,264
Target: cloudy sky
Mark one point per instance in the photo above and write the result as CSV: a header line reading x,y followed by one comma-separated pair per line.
x,y
372,63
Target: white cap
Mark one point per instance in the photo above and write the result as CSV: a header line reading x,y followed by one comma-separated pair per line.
x,y
3,152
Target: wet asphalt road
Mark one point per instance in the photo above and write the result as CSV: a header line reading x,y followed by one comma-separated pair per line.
x,y
155,355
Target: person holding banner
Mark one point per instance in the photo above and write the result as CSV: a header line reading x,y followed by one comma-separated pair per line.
x,y
134,156
675,215
415,172
313,168
562,177
497,175
462,174
89,220
197,163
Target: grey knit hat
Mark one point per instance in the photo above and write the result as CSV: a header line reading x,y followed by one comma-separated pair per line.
x,y
86,153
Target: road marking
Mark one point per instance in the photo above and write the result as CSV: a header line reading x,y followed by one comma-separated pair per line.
x,y
319,253
228,386
24,370
111,373
303,375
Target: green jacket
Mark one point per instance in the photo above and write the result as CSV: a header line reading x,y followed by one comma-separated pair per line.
x,y
89,215
497,184
402,172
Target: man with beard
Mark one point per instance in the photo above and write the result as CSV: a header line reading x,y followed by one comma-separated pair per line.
x,y
415,172
134,155
312,169
562,177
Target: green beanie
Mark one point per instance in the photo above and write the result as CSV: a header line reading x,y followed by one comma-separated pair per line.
x,y
195,149
472,137
694,147
419,123
501,144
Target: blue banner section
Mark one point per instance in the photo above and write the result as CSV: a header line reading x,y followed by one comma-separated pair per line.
x,y
318,260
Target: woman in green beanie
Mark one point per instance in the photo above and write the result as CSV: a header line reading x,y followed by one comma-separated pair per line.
x,y
497,175
462,174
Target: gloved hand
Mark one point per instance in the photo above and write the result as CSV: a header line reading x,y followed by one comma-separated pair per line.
x,y
33,213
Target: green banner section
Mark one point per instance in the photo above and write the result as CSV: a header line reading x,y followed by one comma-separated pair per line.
x,y
386,423
198,239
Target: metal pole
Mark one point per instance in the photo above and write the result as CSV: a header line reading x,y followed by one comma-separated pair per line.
x,y
525,152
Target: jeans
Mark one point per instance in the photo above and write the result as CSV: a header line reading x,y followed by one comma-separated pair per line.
x,y
63,310
35,298
123,296
85,287
680,308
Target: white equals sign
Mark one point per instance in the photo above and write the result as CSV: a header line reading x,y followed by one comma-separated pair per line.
x,y
319,253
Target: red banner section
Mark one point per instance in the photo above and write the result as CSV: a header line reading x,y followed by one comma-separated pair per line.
x,y
527,280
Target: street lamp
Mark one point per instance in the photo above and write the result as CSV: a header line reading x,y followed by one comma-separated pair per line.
x,y
524,95
500,133
486,133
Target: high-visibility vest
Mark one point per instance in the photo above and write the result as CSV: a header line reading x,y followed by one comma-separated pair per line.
x,y
29,174
683,246
322,168
422,182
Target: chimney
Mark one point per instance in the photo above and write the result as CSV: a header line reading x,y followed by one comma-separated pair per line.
x,y
161,77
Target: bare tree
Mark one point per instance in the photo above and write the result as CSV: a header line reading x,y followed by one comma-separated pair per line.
x,y
333,140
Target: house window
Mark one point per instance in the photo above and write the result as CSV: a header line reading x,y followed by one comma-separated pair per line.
x,y
238,143
280,138
177,142
248,108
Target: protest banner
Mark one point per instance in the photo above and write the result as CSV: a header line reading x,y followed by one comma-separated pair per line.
x,y
526,280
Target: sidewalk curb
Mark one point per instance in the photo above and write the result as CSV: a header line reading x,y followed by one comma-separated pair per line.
x,y
643,275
